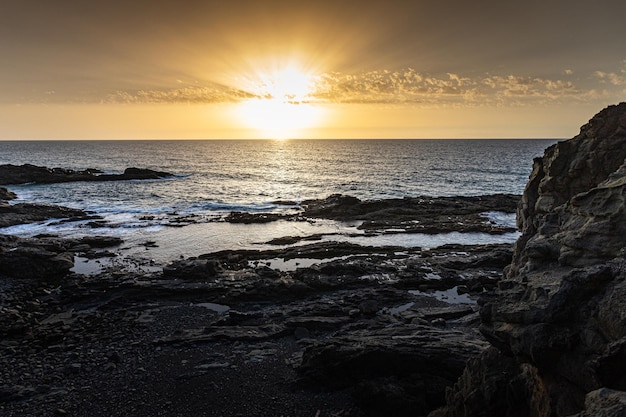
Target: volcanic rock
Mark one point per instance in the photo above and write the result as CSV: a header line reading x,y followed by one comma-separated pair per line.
x,y
6,194
21,213
400,370
341,207
33,258
27,173
559,315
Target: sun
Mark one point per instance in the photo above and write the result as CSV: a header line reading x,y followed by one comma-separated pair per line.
x,y
289,85
283,106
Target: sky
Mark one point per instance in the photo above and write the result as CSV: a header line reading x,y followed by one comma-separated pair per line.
x,y
238,69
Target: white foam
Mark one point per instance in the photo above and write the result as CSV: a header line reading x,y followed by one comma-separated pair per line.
x,y
501,218
429,241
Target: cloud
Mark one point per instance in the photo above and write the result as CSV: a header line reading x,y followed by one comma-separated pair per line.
x,y
617,78
612,78
404,86
409,86
191,95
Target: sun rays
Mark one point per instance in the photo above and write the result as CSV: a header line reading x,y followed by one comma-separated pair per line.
x,y
283,105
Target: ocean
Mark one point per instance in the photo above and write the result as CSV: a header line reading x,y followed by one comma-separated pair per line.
x,y
180,216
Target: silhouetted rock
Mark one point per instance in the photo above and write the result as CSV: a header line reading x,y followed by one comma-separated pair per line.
x,y
559,315
27,173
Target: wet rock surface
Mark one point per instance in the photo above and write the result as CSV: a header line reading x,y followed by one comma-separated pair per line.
x,y
348,330
342,207
21,213
558,317
224,334
425,214
46,258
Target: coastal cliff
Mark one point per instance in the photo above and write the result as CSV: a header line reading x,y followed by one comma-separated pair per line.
x,y
557,321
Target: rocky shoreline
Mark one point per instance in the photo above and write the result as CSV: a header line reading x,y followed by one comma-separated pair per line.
x,y
229,320
475,330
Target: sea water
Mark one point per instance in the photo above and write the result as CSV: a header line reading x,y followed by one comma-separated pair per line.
x,y
213,178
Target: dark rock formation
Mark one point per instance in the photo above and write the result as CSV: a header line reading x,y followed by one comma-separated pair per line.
x,y
424,214
45,258
6,194
416,215
604,403
22,213
33,259
362,335
341,207
572,211
21,174
399,369
559,317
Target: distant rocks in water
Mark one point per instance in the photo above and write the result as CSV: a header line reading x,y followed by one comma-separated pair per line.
x,y
342,207
250,218
429,215
27,173
558,319
139,174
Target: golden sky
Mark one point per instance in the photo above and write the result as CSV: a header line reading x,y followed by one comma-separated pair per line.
x,y
72,69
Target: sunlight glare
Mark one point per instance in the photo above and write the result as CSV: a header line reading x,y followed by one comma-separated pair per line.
x,y
278,119
287,85
282,108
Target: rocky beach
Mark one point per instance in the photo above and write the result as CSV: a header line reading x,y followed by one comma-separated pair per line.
x,y
532,329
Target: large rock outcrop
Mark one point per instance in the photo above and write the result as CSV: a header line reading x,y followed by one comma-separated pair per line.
x,y
558,319
572,210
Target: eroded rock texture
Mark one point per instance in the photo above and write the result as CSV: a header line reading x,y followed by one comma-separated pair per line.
x,y
558,319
